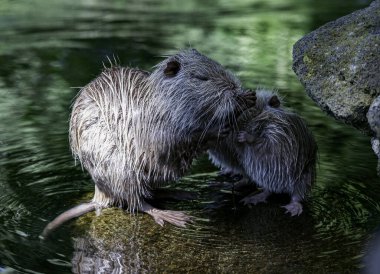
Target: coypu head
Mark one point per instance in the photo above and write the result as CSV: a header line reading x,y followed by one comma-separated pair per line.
x,y
266,98
267,102
199,93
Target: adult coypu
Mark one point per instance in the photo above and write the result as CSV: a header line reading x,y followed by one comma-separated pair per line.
x,y
133,130
273,148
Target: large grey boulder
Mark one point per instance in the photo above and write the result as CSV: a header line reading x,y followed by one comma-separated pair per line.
x,y
339,65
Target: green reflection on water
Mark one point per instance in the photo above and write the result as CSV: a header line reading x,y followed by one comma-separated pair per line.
x,y
49,48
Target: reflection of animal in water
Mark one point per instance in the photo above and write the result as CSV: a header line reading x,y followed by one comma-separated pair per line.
x,y
97,252
133,130
86,260
274,149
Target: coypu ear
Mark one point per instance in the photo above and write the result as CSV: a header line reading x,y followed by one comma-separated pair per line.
x,y
195,51
274,102
172,68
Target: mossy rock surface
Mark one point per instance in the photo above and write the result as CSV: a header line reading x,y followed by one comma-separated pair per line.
x,y
339,65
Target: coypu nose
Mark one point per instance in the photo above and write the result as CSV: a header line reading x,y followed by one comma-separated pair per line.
x,y
245,100
248,99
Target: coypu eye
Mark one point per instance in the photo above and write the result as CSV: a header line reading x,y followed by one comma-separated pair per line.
x,y
274,102
172,68
202,78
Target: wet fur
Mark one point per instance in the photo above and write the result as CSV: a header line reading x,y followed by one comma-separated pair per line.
x,y
133,131
282,156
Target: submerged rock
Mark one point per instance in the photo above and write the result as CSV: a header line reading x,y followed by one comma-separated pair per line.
x,y
339,65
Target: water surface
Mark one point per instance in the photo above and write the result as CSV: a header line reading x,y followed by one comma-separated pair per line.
x,y
50,48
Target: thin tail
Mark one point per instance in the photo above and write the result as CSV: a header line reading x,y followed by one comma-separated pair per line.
x,y
67,215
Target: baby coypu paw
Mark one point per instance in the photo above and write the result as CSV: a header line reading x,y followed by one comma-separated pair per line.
x,y
224,131
244,137
294,208
213,136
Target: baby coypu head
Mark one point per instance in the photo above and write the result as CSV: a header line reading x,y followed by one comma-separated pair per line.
x,y
199,93
267,102
266,98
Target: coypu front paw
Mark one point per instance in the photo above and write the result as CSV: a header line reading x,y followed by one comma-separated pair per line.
x,y
176,218
225,131
256,198
244,101
225,172
247,99
244,137
212,135
218,133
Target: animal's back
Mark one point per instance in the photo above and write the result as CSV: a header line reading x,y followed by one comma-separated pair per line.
x,y
104,129
282,156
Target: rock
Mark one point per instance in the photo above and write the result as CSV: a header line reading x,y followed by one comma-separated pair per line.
x,y
339,65
373,116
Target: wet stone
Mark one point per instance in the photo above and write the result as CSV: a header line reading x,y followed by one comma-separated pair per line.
x,y
339,65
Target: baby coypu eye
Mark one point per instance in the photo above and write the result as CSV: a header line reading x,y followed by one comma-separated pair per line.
x,y
274,102
202,78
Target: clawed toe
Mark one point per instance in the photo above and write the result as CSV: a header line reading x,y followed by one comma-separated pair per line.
x,y
247,201
241,137
294,208
226,172
176,218
225,131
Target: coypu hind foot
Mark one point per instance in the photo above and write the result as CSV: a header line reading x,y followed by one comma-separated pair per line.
x,y
256,198
160,216
294,207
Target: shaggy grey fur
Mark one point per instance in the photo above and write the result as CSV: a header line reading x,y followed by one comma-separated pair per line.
x,y
274,149
133,130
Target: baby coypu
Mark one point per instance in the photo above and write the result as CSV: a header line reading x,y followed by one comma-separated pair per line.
x,y
133,131
273,148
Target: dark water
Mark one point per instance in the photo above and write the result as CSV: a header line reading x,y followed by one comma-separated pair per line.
x,y
48,48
